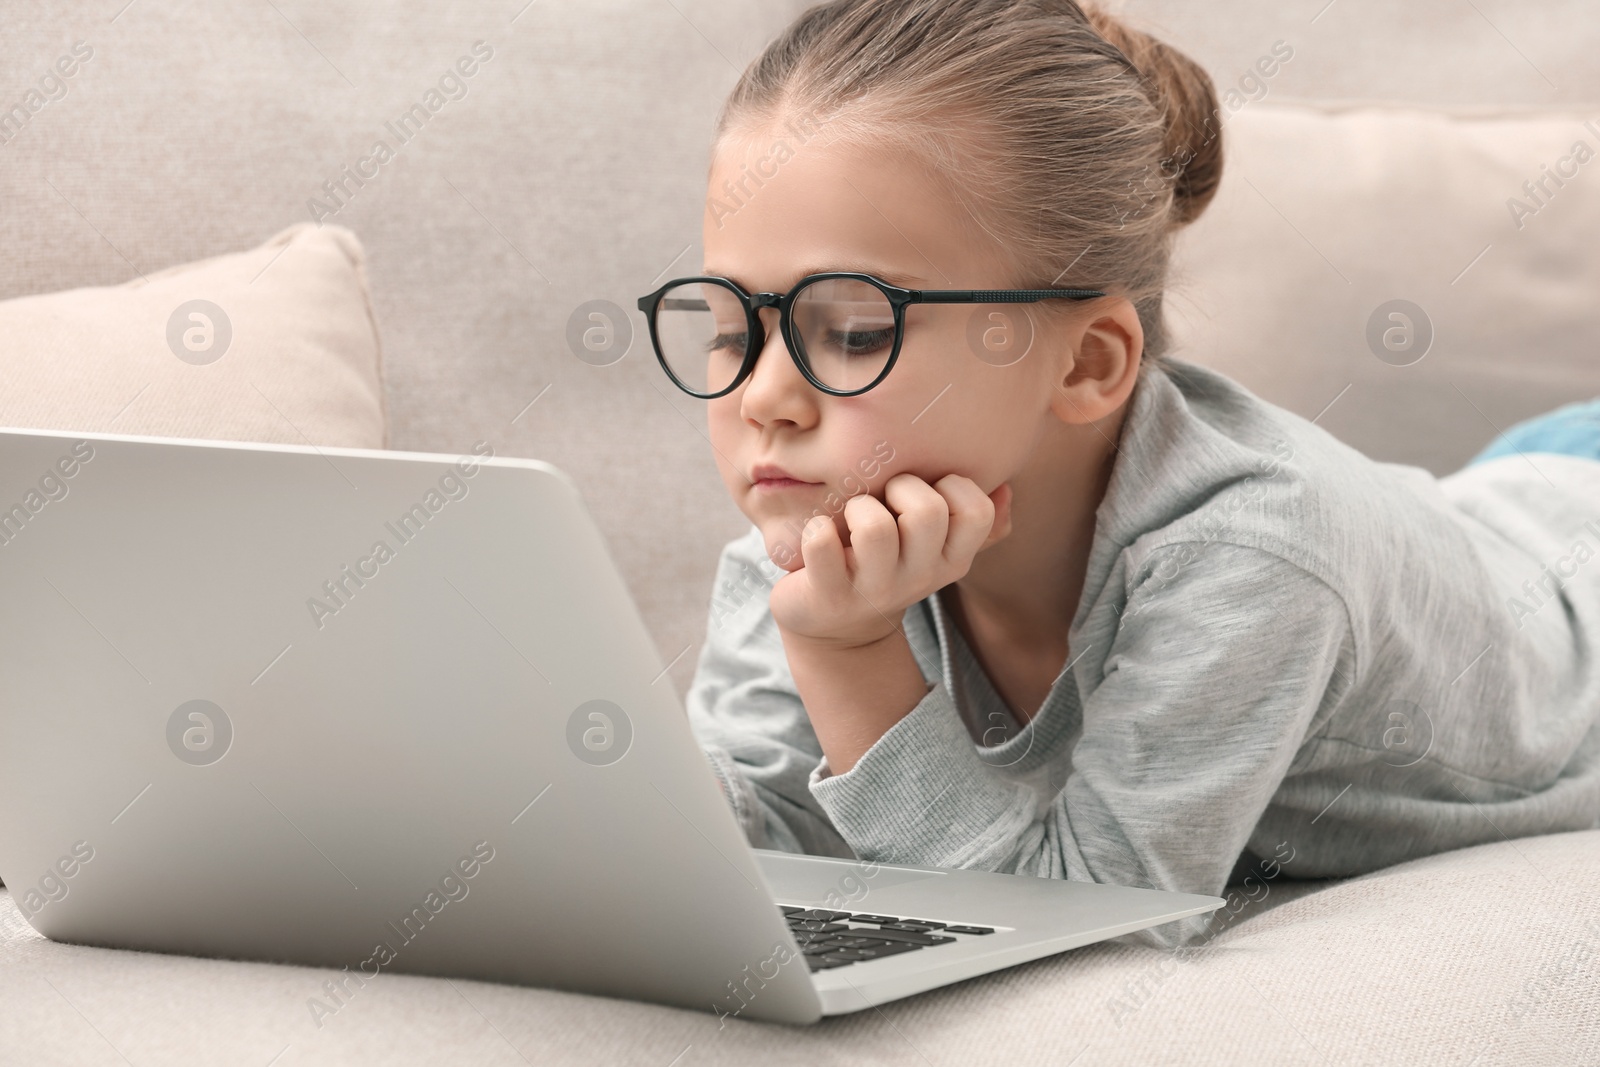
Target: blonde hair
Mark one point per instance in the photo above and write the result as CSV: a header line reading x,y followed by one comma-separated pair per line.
x,y
1077,142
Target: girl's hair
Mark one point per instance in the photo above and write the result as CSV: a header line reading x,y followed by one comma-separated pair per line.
x,y
1077,142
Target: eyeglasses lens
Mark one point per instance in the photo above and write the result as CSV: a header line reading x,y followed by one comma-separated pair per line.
x,y
844,330
701,329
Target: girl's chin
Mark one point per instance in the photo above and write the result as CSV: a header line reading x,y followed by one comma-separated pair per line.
x,y
795,562
783,546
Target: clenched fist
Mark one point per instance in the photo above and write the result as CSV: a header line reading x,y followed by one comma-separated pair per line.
x,y
915,541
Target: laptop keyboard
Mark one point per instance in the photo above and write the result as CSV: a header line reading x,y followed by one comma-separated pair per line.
x,y
838,938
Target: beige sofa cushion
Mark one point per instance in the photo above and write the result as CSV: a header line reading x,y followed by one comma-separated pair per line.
x,y
1326,214
1487,955
276,344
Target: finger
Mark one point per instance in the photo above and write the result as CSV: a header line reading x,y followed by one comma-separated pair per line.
x,y
874,541
972,516
1001,528
823,553
924,520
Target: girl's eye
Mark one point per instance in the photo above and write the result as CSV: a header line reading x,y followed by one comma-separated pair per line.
x,y
728,342
862,343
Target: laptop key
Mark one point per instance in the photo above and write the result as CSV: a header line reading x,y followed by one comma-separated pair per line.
x,y
814,926
854,955
911,938
818,963
839,956
873,919
822,915
789,909
889,948
969,929
814,937
905,936
829,942
914,927
852,942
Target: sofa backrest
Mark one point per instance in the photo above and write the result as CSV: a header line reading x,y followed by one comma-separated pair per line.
x,y
545,157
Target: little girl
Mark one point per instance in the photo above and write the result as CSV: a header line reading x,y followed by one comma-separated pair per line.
x,y
1022,593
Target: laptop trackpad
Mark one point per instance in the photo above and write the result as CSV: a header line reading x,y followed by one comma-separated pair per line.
x,y
808,879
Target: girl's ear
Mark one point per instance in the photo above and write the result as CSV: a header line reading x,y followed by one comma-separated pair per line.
x,y
1099,364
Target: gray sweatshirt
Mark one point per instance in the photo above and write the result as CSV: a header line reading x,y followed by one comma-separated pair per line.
x,y
1284,652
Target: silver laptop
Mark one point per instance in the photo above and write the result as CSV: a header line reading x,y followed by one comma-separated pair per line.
x,y
397,712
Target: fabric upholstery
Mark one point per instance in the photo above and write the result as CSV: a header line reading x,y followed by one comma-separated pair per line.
x,y
571,169
274,344
1419,964
1326,216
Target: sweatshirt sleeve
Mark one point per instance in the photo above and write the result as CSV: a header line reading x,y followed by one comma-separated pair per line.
x,y
746,713
1211,684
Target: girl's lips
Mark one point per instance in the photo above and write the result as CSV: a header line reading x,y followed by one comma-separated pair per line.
x,y
780,483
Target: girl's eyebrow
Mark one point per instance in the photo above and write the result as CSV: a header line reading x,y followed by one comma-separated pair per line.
x,y
893,277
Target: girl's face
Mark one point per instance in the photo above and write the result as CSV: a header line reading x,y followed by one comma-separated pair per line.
x,y
947,406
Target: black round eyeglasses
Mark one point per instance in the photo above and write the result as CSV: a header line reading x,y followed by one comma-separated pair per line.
x,y
843,329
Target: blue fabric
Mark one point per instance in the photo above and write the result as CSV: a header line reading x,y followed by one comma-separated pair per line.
x,y
1573,430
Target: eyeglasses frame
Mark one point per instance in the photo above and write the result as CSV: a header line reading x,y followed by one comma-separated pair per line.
x,y
899,298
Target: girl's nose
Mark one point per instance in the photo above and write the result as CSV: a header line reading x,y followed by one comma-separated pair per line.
x,y
776,389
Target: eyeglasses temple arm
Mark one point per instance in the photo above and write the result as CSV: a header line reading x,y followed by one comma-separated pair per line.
x,y
998,296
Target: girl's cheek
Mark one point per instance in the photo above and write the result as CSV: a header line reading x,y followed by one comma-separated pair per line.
x,y
862,467
722,428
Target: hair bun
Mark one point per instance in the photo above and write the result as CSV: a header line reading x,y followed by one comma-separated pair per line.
x,y
1184,93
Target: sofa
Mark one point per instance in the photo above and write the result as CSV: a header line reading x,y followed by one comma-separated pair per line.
x,y
545,167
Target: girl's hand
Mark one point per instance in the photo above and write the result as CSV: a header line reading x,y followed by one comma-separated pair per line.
x,y
848,597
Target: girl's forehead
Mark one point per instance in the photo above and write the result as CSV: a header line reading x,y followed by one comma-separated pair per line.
x,y
835,208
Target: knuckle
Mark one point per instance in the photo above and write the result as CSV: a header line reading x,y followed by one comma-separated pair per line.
x,y
861,501
876,527
872,523
930,506
913,486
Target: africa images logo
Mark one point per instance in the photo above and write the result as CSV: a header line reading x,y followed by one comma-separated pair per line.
x,y
199,332
53,86
199,733
52,487
599,732
453,84
53,885
341,589
451,887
